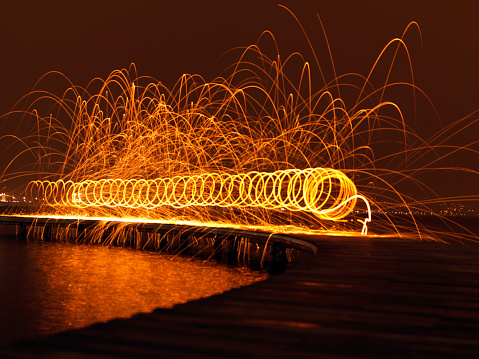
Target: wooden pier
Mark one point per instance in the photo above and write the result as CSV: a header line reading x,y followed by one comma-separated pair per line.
x,y
361,297
220,243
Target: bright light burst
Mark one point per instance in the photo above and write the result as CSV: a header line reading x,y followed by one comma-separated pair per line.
x,y
255,147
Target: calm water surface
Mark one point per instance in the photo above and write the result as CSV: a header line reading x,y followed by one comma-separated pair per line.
x,y
46,288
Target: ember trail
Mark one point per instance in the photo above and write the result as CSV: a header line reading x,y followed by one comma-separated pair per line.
x,y
208,152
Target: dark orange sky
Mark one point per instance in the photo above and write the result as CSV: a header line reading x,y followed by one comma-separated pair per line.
x,y
87,39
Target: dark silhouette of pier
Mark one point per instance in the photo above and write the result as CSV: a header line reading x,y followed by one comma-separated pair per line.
x,y
356,297
220,243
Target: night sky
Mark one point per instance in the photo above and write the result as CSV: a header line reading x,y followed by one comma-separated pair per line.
x,y
87,39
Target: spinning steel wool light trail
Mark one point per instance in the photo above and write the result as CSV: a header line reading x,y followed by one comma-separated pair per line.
x,y
204,147
254,148
327,193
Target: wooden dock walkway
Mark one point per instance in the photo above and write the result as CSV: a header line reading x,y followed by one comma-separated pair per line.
x,y
356,298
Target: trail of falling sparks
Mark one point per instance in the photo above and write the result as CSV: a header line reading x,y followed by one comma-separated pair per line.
x,y
254,148
185,155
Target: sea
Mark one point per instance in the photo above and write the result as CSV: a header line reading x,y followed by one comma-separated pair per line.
x,y
50,287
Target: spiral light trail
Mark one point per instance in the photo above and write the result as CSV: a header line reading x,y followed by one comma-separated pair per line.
x,y
327,193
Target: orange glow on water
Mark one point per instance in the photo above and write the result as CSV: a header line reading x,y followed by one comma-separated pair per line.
x,y
53,287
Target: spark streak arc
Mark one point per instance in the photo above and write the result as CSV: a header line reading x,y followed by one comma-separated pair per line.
x,y
260,147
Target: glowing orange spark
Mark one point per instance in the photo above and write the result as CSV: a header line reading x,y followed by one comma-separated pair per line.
x,y
253,148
